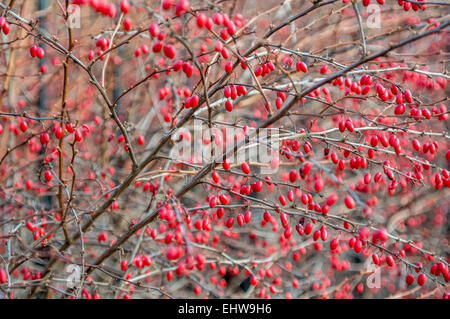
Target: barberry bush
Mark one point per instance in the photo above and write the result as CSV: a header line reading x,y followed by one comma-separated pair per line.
x,y
97,96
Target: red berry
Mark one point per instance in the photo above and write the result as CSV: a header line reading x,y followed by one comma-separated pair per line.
x,y
248,216
124,6
324,69
201,20
226,165
416,145
23,126
301,66
33,51
308,228
245,168
40,53
167,4
240,220
358,246
215,177
44,138
349,202
229,106
169,51
282,200
421,279
48,176
173,253
103,236
228,66
375,259
3,276
127,24
349,125
5,28
78,136
124,265
409,280
334,243
229,223
390,261
69,128
30,226
181,7
154,30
